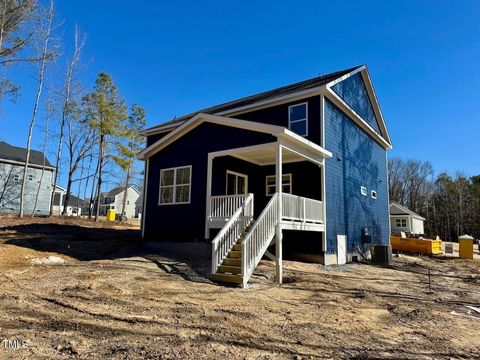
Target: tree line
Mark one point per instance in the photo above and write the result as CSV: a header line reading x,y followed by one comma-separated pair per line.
x,y
96,132
449,204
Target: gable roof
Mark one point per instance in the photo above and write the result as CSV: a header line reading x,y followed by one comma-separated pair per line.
x,y
397,209
18,154
263,96
321,85
118,190
382,137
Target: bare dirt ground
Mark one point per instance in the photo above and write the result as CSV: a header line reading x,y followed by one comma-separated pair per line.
x,y
117,298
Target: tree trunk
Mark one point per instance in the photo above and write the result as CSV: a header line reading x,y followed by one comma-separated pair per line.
x,y
68,193
43,167
86,184
35,106
80,186
92,200
100,170
125,195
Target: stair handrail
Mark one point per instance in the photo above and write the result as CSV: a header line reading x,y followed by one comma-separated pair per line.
x,y
223,243
257,240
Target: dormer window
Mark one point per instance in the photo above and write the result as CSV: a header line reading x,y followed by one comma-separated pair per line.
x,y
298,118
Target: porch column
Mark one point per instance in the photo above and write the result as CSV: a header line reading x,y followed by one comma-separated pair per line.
x,y
209,194
324,206
60,204
278,230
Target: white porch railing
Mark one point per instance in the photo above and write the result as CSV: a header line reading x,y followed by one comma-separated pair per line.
x,y
224,206
234,228
259,237
302,209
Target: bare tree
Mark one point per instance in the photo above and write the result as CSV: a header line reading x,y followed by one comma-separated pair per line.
x,y
408,181
73,66
50,111
79,142
46,56
15,33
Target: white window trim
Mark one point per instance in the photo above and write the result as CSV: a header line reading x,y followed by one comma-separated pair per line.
x,y
373,194
236,174
174,193
274,176
363,190
401,220
295,121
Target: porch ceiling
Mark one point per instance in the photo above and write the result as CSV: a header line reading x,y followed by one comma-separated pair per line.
x,y
266,154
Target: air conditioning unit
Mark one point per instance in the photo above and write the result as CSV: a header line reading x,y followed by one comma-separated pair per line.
x,y
381,254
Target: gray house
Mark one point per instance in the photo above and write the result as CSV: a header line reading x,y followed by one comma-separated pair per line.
x,y
12,162
74,206
113,200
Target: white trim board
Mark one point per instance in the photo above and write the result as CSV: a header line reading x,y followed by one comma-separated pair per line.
x,y
373,101
237,175
278,131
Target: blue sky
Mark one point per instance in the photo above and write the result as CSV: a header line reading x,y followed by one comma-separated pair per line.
x,y
179,56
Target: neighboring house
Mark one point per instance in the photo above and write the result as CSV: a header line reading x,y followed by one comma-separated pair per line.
x,y
114,200
74,206
303,165
404,219
12,163
139,207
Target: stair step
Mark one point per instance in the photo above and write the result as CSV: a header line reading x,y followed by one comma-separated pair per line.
x,y
235,254
232,262
229,269
237,247
227,278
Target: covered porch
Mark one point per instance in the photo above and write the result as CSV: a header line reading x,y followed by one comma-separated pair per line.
x,y
256,192
235,173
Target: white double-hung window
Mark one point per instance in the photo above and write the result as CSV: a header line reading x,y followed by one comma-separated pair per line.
x,y
401,223
271,184
175,185
298,118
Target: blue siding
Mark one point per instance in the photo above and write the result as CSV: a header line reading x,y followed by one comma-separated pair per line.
x,y
278,115
357,161
167,222
352,90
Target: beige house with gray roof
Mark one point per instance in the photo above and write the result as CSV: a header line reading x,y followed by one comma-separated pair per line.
x,y
404,219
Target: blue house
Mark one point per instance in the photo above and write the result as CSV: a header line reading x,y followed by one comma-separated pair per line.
x,y
301,167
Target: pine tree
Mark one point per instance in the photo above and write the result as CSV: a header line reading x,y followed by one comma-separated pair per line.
x,y
105,113
128,149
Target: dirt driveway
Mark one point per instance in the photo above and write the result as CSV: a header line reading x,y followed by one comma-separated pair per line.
x,y
116,298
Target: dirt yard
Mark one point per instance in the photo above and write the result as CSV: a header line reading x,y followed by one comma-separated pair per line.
x,y
116,298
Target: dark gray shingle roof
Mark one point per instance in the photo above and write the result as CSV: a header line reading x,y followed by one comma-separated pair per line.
x,y
14,153
284,90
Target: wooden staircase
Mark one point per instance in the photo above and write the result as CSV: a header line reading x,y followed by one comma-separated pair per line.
x,y
230,271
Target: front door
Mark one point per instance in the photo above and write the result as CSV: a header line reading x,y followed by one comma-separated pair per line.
x,y
237,184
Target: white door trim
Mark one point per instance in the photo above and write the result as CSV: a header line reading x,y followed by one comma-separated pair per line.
x,y
236,181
